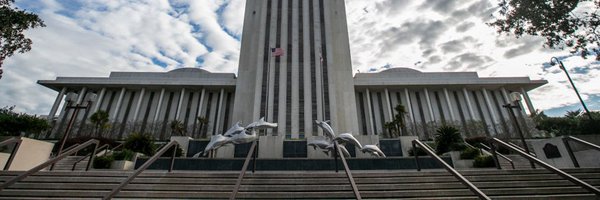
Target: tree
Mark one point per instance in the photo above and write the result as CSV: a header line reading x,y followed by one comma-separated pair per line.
x,y
446,139
397,125
570,23
202,121
177,127
100,121
13,22
14,124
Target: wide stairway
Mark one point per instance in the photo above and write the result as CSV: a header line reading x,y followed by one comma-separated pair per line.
x,y
498,184
67,163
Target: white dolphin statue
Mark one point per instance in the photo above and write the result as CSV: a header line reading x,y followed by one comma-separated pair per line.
x,y
261,123
321,144
348,138
327,130
373,150
216,141
244,137
235,129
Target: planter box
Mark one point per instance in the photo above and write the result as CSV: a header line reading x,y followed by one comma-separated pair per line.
x,y
122,165
460,163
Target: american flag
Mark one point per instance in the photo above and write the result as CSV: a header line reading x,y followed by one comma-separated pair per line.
x,y
276,52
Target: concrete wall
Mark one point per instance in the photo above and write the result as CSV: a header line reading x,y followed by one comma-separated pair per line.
x,y
31,153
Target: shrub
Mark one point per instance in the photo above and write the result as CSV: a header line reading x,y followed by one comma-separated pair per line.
x,y
142,143
169,152
420,152
125,154
103,162
469,153
446,137
482,161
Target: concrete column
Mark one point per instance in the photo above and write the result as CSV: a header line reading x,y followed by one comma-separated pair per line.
x,y
202,95
219,111
449,103
138,105
429,107
490,108
528,101
81,95
118,106
180,103
370,113
409,105
160,101
505,95
99,100
57,102
388,104
469,104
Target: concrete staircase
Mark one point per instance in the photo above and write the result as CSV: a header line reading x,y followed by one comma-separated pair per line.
x,y
519,161
396,184
66,164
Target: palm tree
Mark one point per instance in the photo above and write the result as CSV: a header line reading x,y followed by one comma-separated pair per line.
x,y
100,121
177,127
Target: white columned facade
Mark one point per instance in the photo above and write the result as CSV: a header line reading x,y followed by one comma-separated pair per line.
x,y
490,108
160,101
57,102
370,113
528,101
449,103
429,106
219,112
118,106
469,104
409,105
138,105
179,104
81,95
100,100
388,104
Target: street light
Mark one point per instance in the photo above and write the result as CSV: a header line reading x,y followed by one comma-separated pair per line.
x,y
554,61
515,104
72,97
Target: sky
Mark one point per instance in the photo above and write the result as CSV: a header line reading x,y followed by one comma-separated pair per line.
x,y
91,38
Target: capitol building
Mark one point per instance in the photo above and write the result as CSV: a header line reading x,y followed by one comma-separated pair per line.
x,y
294,68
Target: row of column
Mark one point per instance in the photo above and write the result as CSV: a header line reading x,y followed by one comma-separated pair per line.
x,y
426,108
149,111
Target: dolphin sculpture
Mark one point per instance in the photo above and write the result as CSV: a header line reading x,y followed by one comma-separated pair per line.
x,y
244,137
216,141
327,130
321,144
345,151
235,129
348,138
373,150
260,124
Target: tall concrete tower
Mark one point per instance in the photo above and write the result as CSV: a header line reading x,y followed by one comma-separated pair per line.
x,y
311,80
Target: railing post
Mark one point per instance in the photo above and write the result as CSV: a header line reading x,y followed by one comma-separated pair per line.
x,y
335,155
416,155
495,155
570,151
175,147
12,154
87,168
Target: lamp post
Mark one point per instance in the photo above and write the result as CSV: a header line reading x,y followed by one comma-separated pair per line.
x,y
516,98
554,61
72,97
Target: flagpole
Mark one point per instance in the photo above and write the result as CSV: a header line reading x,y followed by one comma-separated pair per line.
x,y
267,93
322,84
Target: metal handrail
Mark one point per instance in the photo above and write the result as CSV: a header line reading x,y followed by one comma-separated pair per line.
x,y
52,161
67,149
520,148
512,164
87,168
238,183
566,140
13,153
577,181
348,173
448,168
146,164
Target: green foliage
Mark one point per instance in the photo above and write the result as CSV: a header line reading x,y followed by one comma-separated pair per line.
x,y
397,126
202,121
125,154
177,127
469,153
420,152
554,20
482,161
169,152
13,22
142,143
573,123
103,162
446,138
13,124
100,121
